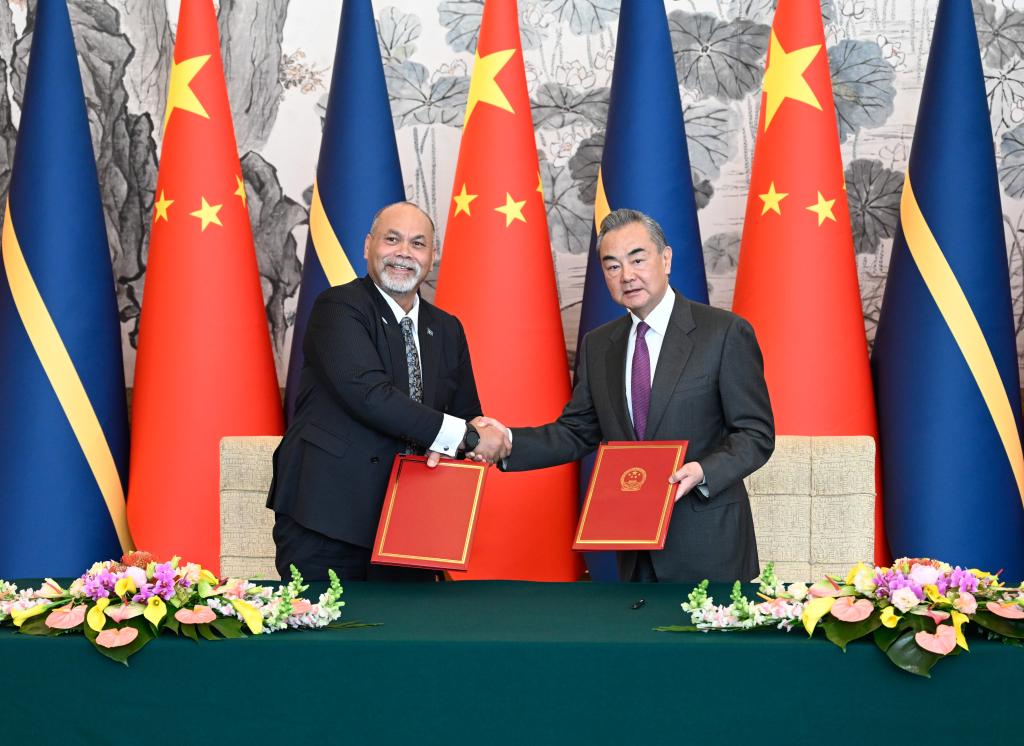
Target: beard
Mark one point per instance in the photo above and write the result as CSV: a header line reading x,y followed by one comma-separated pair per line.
x,y
400,284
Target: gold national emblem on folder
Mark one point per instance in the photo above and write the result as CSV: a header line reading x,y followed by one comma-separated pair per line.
x,y
632,479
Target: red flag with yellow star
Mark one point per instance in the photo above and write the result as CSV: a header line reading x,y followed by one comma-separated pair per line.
x,y
497,276
205,368
797,275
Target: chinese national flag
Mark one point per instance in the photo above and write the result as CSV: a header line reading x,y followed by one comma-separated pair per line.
x,y
497,276
205,367
797,276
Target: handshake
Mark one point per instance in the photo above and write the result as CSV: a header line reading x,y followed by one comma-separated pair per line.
x,y
494,445
495,441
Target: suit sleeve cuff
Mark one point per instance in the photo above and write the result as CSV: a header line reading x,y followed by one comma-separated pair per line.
x,y
702,488
450,436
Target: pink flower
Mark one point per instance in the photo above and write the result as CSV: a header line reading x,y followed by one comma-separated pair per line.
x,y
66,617
936,616
941,643
138,575
924,575
848,610
198,615
301,606
966,602
117,637
49,589
1006,611
122,612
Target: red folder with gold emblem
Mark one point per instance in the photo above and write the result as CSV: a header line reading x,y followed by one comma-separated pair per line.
x,y
429,515
629,501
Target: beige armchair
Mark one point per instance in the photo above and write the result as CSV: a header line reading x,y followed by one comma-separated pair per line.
x,y
813,505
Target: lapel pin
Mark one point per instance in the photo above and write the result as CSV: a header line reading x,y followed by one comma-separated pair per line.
x,y
384,320
430,332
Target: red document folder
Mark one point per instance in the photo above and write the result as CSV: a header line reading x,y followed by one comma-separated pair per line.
x,y
629,501
429,515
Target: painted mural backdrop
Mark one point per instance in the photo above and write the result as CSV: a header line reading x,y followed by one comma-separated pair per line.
x,y
278,56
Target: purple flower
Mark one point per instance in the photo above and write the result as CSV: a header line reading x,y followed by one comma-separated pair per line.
x,y
99,585
892,580
964,580
145,591
164,585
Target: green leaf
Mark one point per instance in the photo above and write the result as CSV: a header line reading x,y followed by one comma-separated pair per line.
x,y
172,624
189,630
36,626
677,628
885,636
911,657
121,654
842,633
229,628
1005,627
206,632
351,625
205,589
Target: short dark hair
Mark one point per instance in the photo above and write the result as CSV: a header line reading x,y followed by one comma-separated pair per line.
x,y
376,216
623,217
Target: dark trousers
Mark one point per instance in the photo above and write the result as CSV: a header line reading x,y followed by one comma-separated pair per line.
x,y
643,570
313,553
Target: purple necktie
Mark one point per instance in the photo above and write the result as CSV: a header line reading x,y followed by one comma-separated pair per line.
x,y
641,383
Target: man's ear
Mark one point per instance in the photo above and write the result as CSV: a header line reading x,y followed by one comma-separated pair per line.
x,y
366,247
666,256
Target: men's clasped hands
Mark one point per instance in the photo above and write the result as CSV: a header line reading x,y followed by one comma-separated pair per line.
x,y
496,444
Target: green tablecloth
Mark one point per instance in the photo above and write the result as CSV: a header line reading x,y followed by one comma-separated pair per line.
x,y
493,662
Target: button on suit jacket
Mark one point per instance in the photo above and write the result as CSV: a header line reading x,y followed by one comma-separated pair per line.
x,y
708,389
353,412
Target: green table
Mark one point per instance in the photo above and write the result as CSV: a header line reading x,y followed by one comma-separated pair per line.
x,y
491,662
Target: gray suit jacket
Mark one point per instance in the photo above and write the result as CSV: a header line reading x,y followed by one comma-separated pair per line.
x,y
709,389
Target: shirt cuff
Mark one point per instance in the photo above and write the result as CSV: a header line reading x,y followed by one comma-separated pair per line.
x,y
450,436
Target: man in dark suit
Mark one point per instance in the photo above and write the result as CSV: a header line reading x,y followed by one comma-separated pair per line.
x,y
671,369
385,372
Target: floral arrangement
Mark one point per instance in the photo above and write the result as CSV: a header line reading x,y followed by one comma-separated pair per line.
x,y
122,606
917,610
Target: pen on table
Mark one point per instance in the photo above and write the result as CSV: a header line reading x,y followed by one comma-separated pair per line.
x,y
637,604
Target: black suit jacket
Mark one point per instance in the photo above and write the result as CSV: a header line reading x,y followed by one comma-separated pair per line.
x,y
708,389
353,412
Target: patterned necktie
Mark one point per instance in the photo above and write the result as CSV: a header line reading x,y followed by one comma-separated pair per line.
x,y
412,360
640,385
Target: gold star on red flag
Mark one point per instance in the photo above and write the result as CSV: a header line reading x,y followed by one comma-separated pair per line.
x,y
784,78
512,210
180,94
207,214
462,201
483,88
772,200
160,207
823,209
240,191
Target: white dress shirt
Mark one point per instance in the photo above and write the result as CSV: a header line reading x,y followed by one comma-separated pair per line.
x,y
453,429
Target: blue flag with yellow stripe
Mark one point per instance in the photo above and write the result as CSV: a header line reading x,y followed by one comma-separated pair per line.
x,y
945,358
64,440
358,172
645,166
